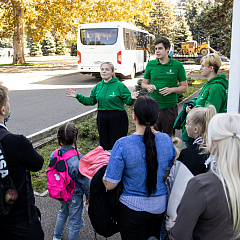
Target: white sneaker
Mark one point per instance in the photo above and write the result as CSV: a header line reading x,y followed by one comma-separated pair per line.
x,y
54,238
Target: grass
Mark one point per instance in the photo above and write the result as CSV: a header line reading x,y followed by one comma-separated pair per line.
x,y
197,84
88,140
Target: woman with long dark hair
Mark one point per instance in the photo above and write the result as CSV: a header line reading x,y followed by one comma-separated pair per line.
x,y
141,161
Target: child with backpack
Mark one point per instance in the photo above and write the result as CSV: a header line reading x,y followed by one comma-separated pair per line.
x,y
67,137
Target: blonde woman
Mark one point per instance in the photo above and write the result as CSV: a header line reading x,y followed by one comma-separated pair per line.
x,y
111,95
210,207
215,90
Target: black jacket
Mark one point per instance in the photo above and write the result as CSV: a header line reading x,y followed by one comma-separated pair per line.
x,y
21,158
193,159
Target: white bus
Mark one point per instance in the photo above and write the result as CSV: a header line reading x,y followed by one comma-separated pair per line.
x,y
123,44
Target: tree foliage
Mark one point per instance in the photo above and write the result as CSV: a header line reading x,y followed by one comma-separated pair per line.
x,y
48,45
182,33
60,47
193,10
216,20
35,49
162,19
61,16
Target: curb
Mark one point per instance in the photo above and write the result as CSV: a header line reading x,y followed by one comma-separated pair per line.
x,y
44,136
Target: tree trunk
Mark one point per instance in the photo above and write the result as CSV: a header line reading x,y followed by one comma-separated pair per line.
x,y
18,38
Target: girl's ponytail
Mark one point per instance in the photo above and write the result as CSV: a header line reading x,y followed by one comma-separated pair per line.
x,y
201,117
67,135
209,113
146,110
151,159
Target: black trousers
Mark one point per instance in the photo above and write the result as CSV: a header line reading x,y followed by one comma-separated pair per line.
x,y
138,225
112,125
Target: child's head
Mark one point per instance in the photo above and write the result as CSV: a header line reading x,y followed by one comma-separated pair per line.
x,y
197,121
67,134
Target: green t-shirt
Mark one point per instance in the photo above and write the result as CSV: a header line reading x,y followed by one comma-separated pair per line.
x,y
165,75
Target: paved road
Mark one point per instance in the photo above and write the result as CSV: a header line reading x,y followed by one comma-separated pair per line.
x,y
46,105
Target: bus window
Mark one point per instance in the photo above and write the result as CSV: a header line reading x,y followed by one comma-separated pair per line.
x,y
133,40
140,43
130,39
99,36
126,38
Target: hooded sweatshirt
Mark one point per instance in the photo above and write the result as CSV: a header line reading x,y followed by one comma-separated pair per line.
x,y
111,95
214,92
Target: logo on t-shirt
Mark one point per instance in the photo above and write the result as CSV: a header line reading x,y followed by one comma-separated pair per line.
x,y
170,72
112,95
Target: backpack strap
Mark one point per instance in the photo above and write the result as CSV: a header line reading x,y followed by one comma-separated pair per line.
x,y
216,83
66,155
70,154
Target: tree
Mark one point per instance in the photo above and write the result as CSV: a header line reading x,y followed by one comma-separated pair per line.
x,y
60,48
61,16
193,9
73,49
35,49
48,45
216,20
182,33
5,43
162,20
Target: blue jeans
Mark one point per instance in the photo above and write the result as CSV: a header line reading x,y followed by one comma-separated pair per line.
x,y
72,209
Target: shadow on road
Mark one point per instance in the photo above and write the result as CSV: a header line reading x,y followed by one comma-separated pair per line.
x,y
70,79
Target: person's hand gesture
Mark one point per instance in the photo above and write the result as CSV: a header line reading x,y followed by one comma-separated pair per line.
x,y
151,88
165,91
134,94
71,92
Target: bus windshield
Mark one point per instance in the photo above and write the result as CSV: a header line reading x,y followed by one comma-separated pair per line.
x,y
99,36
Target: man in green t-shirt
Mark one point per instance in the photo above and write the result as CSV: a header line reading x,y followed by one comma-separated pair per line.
x,y
161,79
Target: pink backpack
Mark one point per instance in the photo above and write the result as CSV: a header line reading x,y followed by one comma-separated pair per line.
x,y
59,183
